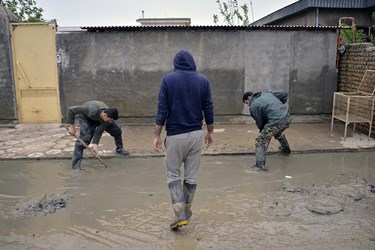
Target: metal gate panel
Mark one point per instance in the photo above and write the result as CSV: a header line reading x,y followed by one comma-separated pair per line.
x,y
35,69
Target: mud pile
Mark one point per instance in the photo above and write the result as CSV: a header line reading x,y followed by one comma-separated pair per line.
x,y
319,199
43,205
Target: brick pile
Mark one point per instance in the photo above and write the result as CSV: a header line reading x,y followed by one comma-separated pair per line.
x,y
354,62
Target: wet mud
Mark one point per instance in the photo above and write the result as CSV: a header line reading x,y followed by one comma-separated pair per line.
x,y
311,201
43,205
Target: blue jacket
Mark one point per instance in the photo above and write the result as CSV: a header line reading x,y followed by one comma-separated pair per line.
x,y
268,109
184,97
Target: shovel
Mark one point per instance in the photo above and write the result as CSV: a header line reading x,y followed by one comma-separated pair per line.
x,y
87,147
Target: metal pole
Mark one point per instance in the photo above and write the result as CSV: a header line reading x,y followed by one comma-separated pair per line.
x,y
252,10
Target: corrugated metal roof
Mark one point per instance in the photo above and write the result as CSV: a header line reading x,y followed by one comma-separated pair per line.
x,y
303,5
207,28
352,4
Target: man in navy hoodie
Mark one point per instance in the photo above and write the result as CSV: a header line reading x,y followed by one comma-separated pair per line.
x,y
184,100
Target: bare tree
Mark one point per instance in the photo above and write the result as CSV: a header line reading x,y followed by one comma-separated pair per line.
x,y
231,13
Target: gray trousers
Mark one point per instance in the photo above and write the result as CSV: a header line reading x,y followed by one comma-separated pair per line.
x,y
184,148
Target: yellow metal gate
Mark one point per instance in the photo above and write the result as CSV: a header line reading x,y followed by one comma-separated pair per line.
x,y
35,72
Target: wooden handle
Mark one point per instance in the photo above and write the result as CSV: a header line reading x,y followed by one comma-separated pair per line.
x,y
86,146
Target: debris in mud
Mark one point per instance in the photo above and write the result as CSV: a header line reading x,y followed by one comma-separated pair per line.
x,y
43,205
332,199
286,188
324,207
275,209
349,192
372,188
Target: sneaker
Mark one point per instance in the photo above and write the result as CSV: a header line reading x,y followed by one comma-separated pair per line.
x,y
122,151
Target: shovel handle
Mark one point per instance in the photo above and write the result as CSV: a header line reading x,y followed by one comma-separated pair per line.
x,y
87,147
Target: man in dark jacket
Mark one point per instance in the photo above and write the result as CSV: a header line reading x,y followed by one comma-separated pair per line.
x,y
272,118
184,97
94,117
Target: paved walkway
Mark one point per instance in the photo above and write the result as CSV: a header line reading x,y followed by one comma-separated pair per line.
x,y
53,141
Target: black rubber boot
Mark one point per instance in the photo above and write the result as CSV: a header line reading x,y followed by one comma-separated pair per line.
x,y
119,146
189,191
284,145
260,158
178,204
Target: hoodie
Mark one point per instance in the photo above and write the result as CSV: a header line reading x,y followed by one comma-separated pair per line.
x,y
184,97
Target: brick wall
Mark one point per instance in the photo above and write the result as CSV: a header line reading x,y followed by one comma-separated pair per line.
x,y
356,59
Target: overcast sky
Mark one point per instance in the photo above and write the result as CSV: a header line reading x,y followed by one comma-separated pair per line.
x,y
125,12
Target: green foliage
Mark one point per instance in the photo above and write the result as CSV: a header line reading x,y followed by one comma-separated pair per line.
x,y
347,35
360,36
231,13
26,10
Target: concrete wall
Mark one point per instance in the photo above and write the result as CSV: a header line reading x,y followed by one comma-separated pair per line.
x,y
300,62
7,90
124,69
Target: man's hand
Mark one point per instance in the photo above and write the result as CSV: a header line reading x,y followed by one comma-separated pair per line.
x,y
157,143
72,129
210,135
209,139
95,148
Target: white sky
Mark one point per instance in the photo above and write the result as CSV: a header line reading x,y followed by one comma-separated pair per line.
x,y
125,12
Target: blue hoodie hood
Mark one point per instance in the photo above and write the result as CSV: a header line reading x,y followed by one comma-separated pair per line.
x,y
184,61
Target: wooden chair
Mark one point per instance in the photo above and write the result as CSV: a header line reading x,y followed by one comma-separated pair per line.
x,y
356,107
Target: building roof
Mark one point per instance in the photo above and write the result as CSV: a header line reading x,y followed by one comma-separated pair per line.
x,y
164,21
205,28
304,5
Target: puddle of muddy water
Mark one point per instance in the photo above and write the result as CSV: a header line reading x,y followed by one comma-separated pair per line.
x,y
304,201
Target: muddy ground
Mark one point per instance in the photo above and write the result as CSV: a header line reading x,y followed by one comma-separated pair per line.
x,y
304,201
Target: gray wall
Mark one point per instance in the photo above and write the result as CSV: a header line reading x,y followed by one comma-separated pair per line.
x,y
124,69
300,62
7,90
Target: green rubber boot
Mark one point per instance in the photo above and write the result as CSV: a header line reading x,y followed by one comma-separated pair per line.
x,y
189,191
260,158
178,204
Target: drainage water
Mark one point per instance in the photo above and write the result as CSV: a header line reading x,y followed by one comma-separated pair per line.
x,y
304,201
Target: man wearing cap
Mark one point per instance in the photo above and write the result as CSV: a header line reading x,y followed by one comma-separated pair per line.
x,y
94,118
272,118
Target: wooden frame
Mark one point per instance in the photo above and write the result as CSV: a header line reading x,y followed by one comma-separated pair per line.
x,y
356,107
